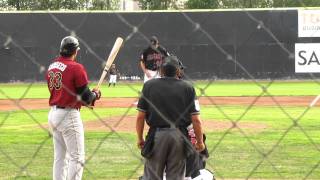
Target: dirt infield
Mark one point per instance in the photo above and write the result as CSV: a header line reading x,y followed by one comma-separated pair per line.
x,y
9,105
127,124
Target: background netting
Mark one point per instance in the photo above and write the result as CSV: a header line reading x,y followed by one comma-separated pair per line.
x,y
113,155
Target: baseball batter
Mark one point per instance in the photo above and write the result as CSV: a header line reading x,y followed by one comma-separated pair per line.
x,y
152,58
68,86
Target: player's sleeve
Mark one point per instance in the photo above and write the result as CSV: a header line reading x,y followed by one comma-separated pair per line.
x,y
80,76
87,96
143,103
194,107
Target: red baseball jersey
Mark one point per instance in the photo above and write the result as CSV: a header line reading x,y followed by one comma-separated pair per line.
x,y
63,77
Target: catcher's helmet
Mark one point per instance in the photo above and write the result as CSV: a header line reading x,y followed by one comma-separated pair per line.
x,y
69,45
171,64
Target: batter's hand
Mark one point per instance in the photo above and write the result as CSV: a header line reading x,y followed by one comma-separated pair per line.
x,y
97,92
140,144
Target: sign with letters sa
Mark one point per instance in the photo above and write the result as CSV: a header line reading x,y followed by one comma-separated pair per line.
x,y
307,57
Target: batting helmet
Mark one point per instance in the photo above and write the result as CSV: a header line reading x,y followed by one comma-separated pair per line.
x,y
69,45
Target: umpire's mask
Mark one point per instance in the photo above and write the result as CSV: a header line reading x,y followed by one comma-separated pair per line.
x,y
172,67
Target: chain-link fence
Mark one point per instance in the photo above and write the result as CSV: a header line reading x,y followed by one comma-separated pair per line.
x,y
256,133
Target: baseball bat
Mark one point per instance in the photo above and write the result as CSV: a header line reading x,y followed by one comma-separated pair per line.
x,y
115,49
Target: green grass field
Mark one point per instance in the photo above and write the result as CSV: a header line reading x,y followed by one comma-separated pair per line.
x,y
281,150
216,88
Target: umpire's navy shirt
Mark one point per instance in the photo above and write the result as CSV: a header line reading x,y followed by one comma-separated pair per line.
x,y
167,100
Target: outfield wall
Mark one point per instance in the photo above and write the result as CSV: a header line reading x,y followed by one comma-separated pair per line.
x,y
203,40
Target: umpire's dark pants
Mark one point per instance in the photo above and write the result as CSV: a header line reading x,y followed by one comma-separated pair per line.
x,y
168,155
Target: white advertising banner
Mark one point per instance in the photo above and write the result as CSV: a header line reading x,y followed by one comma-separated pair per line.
x,y
309,23
307,57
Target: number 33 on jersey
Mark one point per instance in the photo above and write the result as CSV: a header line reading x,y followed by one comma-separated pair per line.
x,y
63,77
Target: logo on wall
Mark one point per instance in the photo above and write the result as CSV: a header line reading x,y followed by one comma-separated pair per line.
x,y
307,57
309,23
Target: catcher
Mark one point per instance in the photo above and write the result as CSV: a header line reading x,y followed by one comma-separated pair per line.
x,y
196,162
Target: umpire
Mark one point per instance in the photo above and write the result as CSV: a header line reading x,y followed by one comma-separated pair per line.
x,y
168,105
